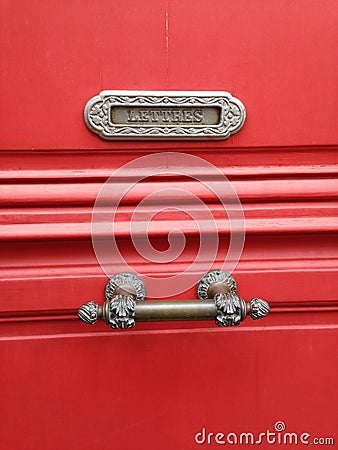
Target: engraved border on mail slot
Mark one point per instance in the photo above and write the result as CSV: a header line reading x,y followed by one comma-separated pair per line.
x,y
98,115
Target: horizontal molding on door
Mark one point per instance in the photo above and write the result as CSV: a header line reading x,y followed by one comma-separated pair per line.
x,y
289,197
57,204
71,231
102,174
78,194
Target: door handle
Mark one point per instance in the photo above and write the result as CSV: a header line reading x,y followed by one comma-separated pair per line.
x,y
218,300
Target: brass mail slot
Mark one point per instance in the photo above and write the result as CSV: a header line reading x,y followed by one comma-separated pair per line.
x,y
164,115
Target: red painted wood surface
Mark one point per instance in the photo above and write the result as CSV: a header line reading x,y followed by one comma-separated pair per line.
x,y
158,390
277,58
65,385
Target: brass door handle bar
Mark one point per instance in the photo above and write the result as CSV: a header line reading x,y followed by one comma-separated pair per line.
x,y
218,300
185,310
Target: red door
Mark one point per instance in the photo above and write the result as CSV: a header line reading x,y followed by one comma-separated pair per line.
x,y
168,385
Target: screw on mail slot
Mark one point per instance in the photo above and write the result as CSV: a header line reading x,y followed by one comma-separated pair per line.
x,y
164,115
